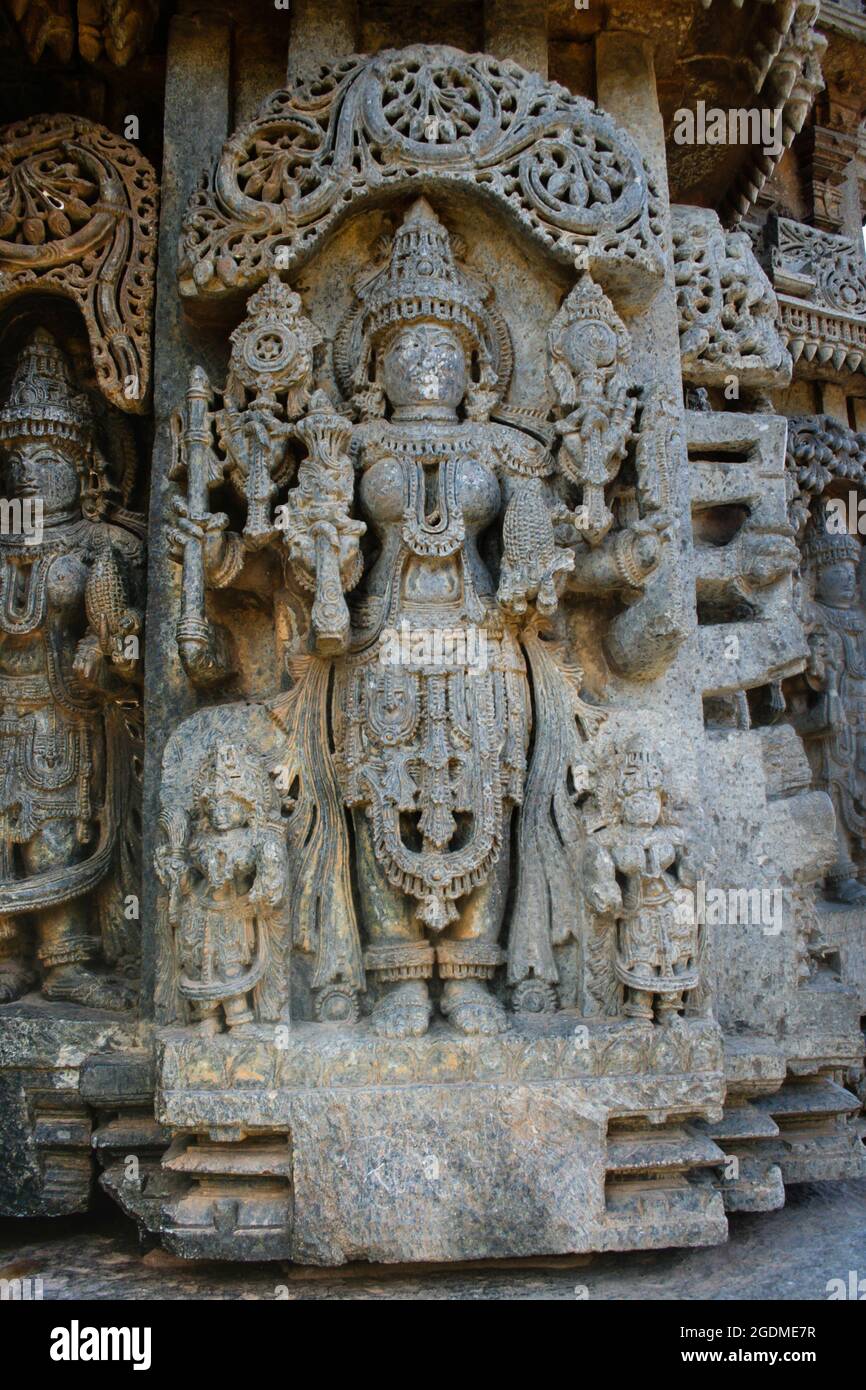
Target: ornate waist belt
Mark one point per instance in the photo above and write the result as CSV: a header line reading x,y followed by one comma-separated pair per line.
x,y
24,689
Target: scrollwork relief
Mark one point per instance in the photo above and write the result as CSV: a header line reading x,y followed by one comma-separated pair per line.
x,y
425,116
729,316
78,212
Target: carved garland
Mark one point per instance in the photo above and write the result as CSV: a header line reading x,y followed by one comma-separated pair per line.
x,y
412,120
821,451
78,212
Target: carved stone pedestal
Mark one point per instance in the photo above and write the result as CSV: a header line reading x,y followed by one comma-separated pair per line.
x,y
56,1065
326,1144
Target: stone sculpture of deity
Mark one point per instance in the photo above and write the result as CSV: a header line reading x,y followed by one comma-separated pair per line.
x,y
70,626
420,733
226,870
637,871
834,724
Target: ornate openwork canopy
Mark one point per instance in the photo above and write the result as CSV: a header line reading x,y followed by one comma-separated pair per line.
x,y
78,209
418,119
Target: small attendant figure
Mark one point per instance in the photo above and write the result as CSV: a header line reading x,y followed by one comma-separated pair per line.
x,y
226,869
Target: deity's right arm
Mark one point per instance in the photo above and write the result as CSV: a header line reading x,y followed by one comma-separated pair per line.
x,y
825,715
600,886
319,532
176,875
622,562
211,555
223,550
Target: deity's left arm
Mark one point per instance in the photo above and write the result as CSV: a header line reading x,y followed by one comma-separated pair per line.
x,y
534,564
689,864
272,869
111,645
320,534
600,887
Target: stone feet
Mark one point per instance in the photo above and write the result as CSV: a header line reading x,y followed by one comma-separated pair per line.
x,y
16,980
471,1009
849,890
76,984
404,1012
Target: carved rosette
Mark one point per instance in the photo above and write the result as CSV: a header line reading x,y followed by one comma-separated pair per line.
x,y
412,120
78,218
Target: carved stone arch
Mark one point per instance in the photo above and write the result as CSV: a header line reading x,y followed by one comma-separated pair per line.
x,y
428,118
78,209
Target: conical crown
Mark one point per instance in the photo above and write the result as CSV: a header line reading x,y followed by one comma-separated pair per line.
x,y
828,548
639,767
422,281
43,402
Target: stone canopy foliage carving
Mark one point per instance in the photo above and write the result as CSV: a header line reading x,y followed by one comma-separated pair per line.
x,y
821,451
424,117
78,212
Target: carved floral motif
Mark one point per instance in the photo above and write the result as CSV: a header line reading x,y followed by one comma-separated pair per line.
x,y
820,279
729,317
78,218
422,116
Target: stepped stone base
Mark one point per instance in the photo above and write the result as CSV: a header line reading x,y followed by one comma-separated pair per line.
x,y
50,1094
328,1144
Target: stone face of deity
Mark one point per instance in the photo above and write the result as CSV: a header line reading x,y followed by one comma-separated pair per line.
x,y
424,365
42,470
836,585
225,812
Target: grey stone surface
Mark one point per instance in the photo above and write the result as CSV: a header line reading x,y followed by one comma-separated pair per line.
x,y
558,951
453,1173
774,1256
47,1165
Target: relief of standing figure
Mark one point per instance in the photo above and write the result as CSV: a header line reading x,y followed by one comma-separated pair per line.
x,y
226,872
469,547
834,724
70,624
637,871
